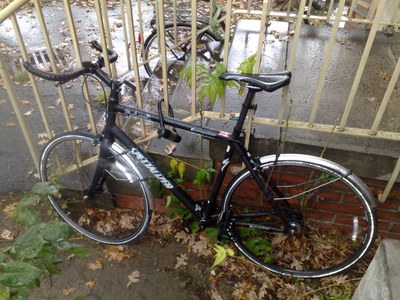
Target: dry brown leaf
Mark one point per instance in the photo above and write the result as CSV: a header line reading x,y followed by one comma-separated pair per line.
x,y
42,142
42,135
115,253
68,291
182,236
133,278
25,102
91,283
28,113
97,265
384,75
170,148
10,208
181,260
7,235
10,124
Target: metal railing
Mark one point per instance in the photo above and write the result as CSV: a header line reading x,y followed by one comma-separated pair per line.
x,y
133,21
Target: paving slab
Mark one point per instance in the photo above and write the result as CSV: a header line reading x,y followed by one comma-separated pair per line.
x,y
381,281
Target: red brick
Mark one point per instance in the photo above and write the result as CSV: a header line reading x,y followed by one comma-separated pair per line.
x,y
388,215
383,225
395,228
390,204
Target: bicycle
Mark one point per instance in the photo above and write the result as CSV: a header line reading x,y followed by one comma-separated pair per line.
x,y
292,214
178,44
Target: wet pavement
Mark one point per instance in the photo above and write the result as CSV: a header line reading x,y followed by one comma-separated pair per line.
x,y
360,154
17,170
16,163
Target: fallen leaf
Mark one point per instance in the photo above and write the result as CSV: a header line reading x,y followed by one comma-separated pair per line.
x,y
97,265
68,291
170,148
9,208
10,124
90,283
42,142
28,113
133,278
42,135
181,260
25,102
7,235
384,75
115,253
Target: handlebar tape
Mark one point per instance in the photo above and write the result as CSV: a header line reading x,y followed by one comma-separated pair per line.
x,y
56,76
112,55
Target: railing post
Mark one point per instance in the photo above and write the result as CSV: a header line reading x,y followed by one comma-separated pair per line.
x,y
18,113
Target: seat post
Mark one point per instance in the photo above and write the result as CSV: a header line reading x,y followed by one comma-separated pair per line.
x,y
247,104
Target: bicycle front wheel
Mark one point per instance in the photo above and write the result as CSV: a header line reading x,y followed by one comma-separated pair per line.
x,y
177,56
323,224
119,210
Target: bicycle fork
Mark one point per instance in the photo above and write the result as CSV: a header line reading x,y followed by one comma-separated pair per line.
x,y
102,167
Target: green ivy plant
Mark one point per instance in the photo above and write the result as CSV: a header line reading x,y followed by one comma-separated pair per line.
x,y
209,82
35,252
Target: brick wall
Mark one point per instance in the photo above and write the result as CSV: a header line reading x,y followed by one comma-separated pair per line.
x,y
388,212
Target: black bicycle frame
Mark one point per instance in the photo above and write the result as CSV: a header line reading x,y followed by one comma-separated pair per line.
x,y
203,215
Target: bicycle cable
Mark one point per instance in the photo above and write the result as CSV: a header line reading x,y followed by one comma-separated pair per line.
x,y
87,100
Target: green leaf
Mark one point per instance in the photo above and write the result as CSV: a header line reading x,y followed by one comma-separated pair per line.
x,y
29,244
45,188
28,200
212,234
214,19
258,246
4,293
55,232
18,274
194,227
27,216
156,187
181,169
220,254
247,66
173,165
73,248
169,200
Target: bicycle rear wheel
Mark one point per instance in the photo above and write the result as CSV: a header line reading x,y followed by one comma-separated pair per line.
x,y
178,56
331,212
119,210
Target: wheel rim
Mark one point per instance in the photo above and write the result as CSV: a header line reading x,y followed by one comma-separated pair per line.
x,y
117,213
318,250
176,57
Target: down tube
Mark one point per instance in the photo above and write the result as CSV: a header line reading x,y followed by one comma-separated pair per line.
x,y
150,165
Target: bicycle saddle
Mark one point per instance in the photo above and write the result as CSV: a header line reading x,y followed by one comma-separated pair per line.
x,y
267,82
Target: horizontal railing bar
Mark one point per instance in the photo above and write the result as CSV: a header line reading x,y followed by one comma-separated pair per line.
x,y
293,15
11,8
351,131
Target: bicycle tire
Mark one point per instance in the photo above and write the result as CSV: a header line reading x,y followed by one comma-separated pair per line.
x,y
335,208
180,54
120,210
